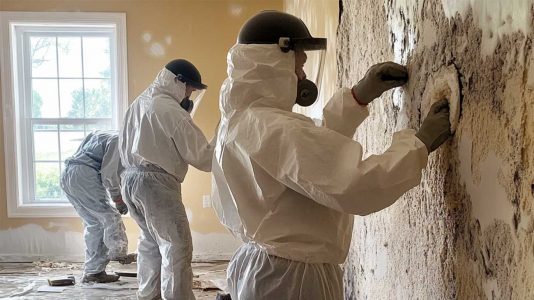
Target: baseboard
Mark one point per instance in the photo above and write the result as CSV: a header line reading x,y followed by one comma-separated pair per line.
x,y
32,258
212,257
10,258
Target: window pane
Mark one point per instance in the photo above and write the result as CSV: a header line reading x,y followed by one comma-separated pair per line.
x,y
45,102
71,95
44,127
99,126
70,56
97,98
63,197
70,141
43,56
47,181
96,57
45,143
71,127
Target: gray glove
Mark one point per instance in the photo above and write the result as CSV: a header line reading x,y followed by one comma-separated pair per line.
x,y
378,79
436,127
120,205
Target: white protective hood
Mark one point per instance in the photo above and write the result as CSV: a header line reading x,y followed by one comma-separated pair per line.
x,y
158,131
290,186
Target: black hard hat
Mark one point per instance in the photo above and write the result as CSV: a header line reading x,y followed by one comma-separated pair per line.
x,y
274,27
186,72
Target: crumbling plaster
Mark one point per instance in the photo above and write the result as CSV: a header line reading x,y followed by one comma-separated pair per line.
x,y
466,232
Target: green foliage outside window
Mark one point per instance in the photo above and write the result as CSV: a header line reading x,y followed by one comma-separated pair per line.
x,y
47,184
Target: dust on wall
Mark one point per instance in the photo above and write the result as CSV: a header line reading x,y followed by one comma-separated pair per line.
x,y
466,232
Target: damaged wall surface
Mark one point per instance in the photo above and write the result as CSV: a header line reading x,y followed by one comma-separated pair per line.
x,y
466,232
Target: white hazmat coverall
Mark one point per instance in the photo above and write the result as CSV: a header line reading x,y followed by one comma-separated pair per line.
x,y
289,188
89,173
157,143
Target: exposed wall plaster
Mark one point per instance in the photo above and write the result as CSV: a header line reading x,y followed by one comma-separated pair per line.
x,y
32,242
443,84
467,231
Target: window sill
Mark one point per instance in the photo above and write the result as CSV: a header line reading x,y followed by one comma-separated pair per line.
x,y
41,211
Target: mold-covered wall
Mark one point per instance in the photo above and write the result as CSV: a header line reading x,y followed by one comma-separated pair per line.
x,y
466,232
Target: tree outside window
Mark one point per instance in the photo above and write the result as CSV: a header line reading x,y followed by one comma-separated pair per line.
x,y
92,99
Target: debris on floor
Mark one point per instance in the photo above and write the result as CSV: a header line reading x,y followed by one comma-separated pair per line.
x,y
50,289
49,265
127,274
205,285
62,281
210,276
30,281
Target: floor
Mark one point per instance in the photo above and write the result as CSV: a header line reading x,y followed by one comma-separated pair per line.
x,y
27,281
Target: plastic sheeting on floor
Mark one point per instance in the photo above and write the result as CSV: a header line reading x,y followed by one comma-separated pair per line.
x,y
29,281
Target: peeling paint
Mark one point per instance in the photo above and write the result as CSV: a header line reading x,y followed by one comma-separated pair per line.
x,y
32,239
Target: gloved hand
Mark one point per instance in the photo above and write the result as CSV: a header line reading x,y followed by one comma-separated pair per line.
x,y
120,205
436,127
378,79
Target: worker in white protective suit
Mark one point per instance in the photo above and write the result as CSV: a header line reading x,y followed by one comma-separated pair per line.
x,y
289,188
157,143
89,173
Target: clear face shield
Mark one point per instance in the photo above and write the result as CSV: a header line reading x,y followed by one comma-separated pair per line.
x,y
192,102
308,88
309,63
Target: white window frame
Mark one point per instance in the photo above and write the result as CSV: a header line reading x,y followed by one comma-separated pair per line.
x,y
11,77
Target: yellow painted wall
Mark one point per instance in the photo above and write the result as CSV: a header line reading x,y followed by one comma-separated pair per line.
x,y
200,31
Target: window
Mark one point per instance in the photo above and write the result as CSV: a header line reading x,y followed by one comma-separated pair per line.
x,y
65,75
